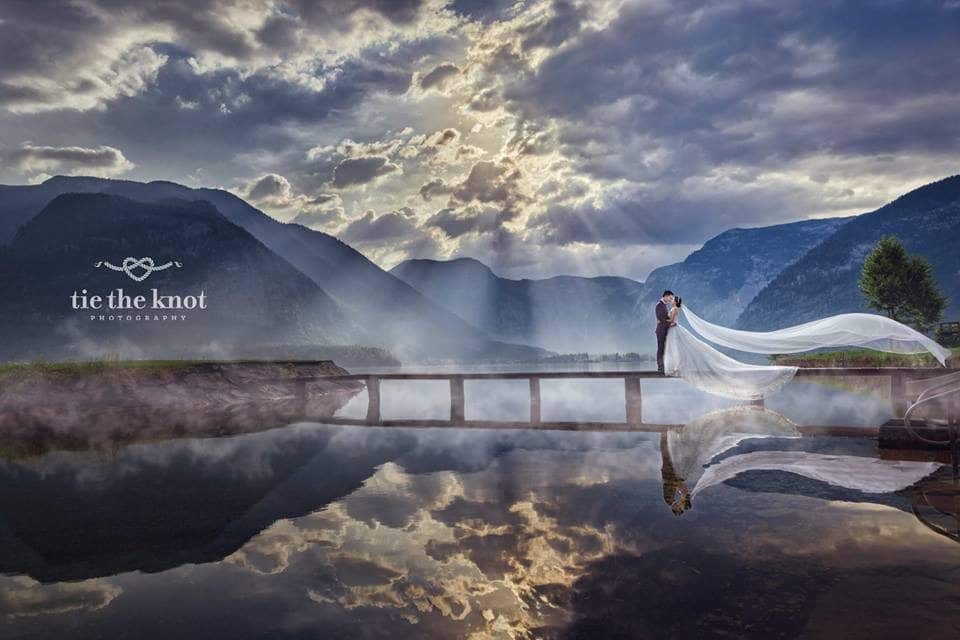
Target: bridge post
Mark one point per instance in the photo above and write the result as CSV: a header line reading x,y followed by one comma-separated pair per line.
x,y
457,412
632,397
898,395
373,399
535,400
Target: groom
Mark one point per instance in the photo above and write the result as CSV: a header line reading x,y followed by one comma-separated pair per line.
x,y
663,325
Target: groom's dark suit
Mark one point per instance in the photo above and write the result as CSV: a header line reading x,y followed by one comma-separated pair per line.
x,y
663,325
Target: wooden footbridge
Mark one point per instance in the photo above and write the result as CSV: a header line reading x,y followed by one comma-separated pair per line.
x,y
633,397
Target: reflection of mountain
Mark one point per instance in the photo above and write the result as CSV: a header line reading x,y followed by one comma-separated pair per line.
x,y
382,310
150,508
72,516
441,533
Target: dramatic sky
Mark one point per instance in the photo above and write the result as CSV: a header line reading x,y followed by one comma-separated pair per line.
x,y
540,136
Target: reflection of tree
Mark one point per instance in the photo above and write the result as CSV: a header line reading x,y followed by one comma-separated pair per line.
x,y
675,492
936,503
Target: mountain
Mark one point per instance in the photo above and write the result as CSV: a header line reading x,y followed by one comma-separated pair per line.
x,y
563,313
383,310
250,295
720,279
607,314
824,280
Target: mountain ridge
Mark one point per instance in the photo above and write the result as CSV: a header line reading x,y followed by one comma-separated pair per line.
x,y
533,311
824,280
718,280
386,311
249,293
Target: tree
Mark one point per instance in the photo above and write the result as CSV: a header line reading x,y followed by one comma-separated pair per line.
x,y
901,285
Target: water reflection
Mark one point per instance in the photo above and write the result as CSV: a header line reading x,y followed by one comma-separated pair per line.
x,y
693,457
840,401
367,532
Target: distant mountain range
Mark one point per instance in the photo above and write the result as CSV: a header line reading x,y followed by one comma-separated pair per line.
x,y
271,283
721,278
763,278
566,313
377,308
824,280
612,314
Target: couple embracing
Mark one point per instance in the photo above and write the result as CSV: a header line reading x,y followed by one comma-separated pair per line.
x,y
667,310
681,353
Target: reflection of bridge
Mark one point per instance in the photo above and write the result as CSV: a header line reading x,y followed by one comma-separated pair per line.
x,y
633,401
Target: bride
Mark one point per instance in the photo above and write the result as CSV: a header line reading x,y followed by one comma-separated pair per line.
x,y
690,358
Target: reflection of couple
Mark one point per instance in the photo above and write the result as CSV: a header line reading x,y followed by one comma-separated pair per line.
x,y
681,353
690,458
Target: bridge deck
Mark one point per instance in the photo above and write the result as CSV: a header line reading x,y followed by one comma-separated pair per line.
x,y
909,372
633,407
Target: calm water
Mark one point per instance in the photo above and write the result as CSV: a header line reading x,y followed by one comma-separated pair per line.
x,y
733,527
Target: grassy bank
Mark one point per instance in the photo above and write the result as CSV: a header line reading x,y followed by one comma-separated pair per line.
x,y
862,358
86,367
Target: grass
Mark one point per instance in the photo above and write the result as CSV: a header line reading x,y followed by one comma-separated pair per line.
x,y
79,367
862,358
88,366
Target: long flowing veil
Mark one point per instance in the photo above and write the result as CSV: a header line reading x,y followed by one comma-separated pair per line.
x,y
845,330
695,457
709,370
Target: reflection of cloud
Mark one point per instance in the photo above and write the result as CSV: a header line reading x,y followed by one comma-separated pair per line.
x,y
513,534
25,597
391,543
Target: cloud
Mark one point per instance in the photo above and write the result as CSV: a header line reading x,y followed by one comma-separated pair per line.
x,y
438,76
358,171
387,226
572,130
483,10
390,237
23,597
101,160
274,194
436,187
269,186
472,220
488,182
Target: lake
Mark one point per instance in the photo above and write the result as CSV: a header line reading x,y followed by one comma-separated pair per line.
x,y
733,526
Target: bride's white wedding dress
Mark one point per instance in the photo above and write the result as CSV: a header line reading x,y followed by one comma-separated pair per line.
x,y
688,357
692,359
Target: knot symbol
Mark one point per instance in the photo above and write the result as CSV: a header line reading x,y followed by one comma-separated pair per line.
x,y
130,264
